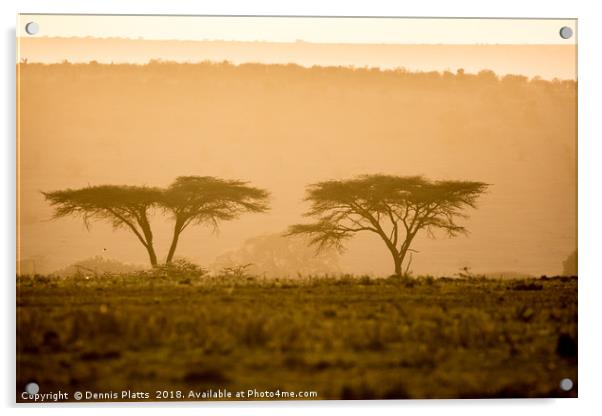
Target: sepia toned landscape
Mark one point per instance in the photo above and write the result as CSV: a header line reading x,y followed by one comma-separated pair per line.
x,y
344,337
381,231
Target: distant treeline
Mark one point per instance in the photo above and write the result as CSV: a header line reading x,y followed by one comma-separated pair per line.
x,y
226,69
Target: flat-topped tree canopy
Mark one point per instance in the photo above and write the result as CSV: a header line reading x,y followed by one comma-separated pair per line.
x,y
97,201
202,198
209,200
189,200
122,205
394,207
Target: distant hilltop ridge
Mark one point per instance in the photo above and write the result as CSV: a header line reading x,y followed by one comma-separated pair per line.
x,y
545,61
188,68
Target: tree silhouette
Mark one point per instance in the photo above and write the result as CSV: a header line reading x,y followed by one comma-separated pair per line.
x,y
124,206
209,200
395,208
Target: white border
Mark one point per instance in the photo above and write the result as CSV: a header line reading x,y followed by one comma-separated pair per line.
x,y
590,206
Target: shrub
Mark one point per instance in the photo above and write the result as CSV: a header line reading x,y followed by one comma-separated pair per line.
x,y
179,268
236,272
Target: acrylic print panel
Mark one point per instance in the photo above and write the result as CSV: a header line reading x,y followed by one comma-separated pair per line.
x,y
254,208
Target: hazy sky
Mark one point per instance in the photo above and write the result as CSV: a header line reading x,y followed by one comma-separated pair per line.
x,y
318,30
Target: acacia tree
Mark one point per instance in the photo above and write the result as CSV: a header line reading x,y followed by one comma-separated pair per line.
x,y
208,200
396,208
124,206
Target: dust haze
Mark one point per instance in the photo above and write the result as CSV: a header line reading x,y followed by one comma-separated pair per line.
x,y
284,126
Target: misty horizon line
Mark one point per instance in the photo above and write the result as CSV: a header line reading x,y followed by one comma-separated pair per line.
x,y
296,41
215,266
401,70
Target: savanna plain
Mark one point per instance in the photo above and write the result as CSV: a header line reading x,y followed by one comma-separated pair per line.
x,y
345,337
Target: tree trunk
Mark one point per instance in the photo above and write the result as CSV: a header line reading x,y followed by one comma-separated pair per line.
x,y
148,237
174,242
172,249
151,255
401,258
397,266
404,250
396,261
